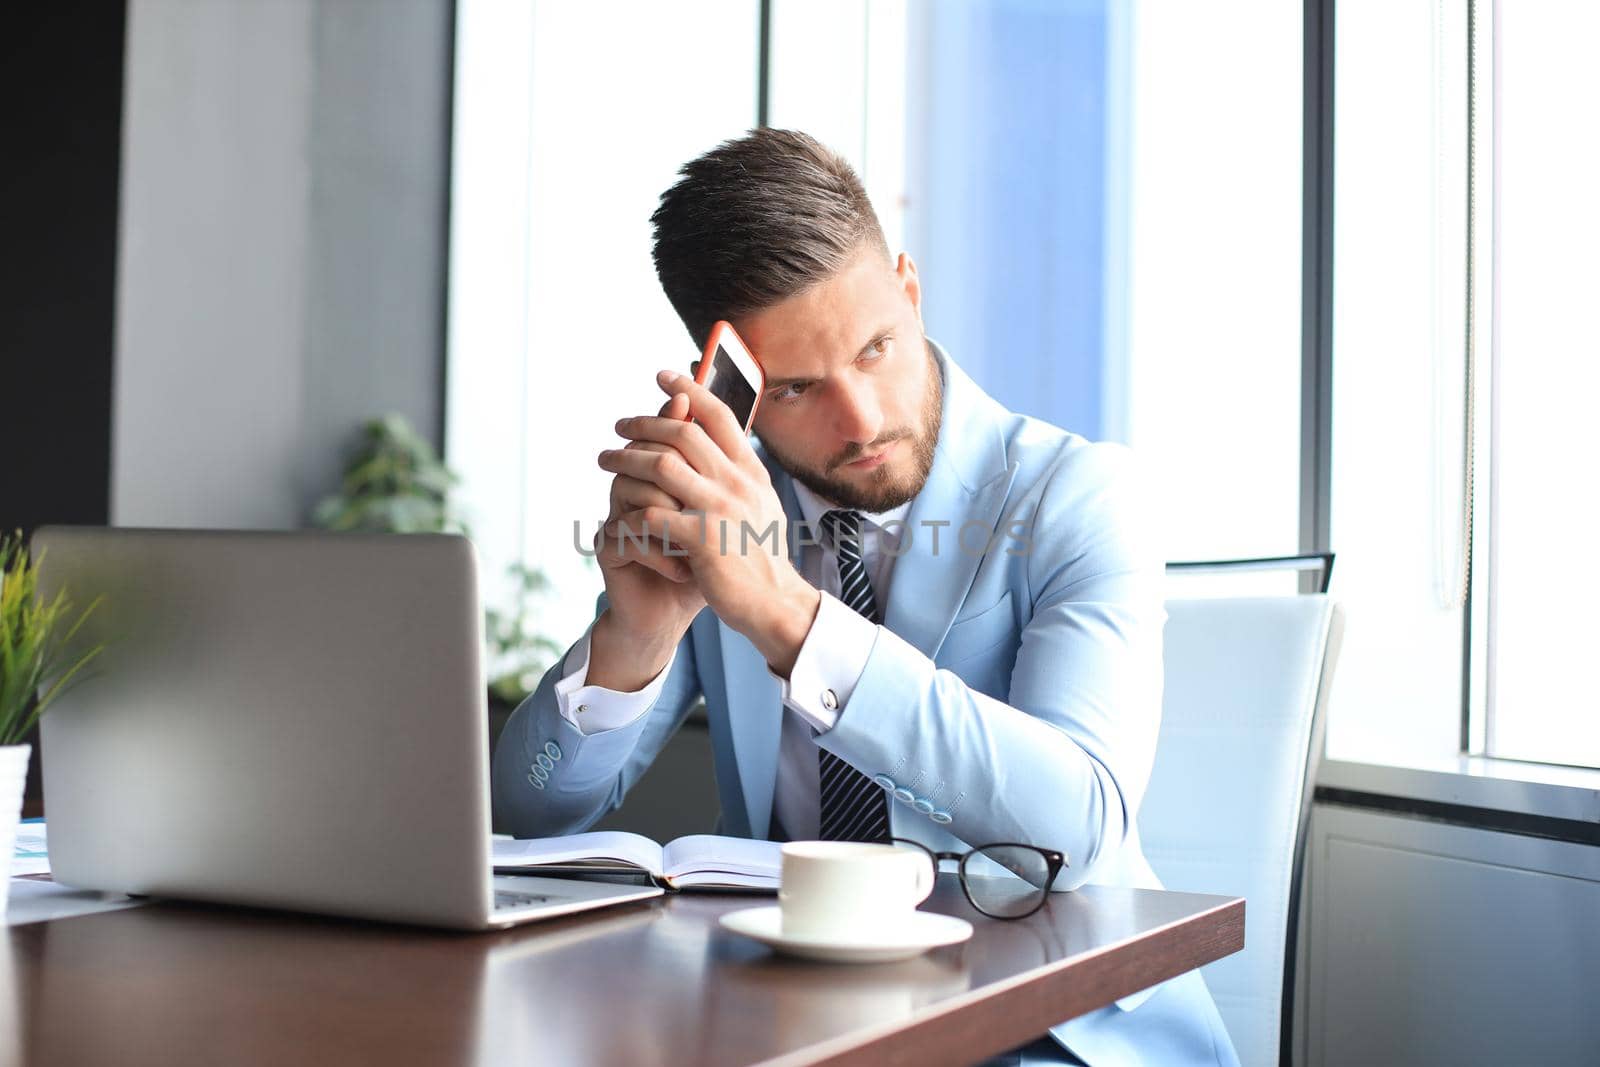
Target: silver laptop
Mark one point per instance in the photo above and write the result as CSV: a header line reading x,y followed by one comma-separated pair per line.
x,y
290,720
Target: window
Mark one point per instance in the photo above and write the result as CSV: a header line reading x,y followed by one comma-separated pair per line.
x,y
1103,198
1212,401
570,119
1105,201
1539,225
1462,372
1397,510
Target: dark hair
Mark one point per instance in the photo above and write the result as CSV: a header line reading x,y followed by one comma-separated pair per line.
x,y
755,221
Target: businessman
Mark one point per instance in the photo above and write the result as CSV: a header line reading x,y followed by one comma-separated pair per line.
x,y
955,635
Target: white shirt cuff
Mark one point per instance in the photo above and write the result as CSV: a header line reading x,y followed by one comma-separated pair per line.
x,y
594,709
830,663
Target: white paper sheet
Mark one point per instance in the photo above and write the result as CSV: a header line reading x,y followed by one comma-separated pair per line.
x,y
31,855
597,847
708,859
33,900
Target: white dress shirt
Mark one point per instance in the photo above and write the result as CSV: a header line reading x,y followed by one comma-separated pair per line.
x,y
818,688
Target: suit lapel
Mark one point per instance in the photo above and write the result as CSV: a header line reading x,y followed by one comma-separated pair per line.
x,y
754,708
754,704
968,484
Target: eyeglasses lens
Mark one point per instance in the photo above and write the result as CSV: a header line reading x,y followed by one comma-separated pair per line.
x,y
1006,881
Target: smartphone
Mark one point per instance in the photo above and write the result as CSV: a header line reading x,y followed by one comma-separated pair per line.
x,y
729,369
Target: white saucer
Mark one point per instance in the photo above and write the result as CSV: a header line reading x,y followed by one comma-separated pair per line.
x,y
924,930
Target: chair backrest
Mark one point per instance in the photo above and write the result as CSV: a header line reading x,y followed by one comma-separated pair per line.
x,y
1230,795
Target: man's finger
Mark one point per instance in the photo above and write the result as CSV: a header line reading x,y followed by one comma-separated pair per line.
x,y
613,551
630,494
706,408
676,407
688,438
667,470
687,531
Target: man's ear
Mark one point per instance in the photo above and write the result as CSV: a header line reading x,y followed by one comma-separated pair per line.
x,y
906,270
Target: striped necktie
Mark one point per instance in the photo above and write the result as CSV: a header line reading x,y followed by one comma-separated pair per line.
x,y
854,807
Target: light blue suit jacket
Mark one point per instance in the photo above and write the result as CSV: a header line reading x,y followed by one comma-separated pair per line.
x,y
1013,693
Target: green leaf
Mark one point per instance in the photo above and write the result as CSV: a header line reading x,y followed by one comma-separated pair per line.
x,y
37,659
393,462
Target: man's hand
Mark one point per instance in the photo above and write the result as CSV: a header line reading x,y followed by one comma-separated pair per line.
x,y
698,487
651,598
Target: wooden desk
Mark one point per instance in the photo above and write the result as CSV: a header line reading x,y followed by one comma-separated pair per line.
x,y
653,983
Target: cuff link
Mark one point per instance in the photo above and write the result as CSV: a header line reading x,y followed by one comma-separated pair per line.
x,y
582,708
830,700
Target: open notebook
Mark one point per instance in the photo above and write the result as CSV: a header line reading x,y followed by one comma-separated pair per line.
x,y
699,861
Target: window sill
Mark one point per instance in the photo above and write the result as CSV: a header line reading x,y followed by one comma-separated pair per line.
x,y
1466,784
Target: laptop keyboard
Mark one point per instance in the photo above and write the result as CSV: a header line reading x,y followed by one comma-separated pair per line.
x,y
504,899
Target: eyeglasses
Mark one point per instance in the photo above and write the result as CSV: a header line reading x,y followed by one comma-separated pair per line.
x,y
1004,881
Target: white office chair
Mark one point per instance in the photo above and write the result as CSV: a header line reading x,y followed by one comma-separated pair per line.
x,y
1229,800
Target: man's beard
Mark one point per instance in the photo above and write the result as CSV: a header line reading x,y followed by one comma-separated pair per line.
x,y
882,492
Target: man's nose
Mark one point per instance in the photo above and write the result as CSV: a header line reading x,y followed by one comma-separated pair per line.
x,y
858,418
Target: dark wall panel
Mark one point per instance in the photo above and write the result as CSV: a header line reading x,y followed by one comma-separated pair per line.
x,y
61,102
61,132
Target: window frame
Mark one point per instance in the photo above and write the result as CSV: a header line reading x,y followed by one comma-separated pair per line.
x,y
1474,764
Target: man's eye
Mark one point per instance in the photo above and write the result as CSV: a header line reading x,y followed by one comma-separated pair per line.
x,y
879,349
788,393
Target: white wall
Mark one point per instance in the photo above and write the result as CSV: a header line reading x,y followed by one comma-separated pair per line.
x,y
281,260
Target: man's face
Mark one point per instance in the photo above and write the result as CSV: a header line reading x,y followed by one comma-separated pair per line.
x,y
853,398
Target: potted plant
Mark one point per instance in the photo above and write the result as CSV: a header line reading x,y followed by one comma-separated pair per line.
x,y
37,663
395,483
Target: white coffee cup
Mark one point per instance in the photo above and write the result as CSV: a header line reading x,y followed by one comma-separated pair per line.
x,y
850,890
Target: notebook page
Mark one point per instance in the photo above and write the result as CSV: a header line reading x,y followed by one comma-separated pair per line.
x,y
760,861
599,847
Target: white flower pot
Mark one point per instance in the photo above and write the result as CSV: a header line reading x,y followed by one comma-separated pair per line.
x,y
13,780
